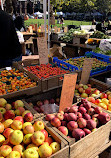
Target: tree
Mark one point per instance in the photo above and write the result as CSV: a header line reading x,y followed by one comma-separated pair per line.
x,y
104,6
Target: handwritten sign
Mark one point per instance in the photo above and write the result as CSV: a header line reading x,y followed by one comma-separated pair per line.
x,y
68,89
42,49
87,66
42,28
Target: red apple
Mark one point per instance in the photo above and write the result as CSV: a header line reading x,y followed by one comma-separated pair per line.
x,y
98,110
91,99
28,117
73,109
49,117
64,130
78,133
87,131
87,105
9,114
103,95
20,118
65,116
80,90
49,140
72,117
81,123
21,110
72,125
66,110
88,91
79,115
60,116
56,122
7,132
82,110
103,117
96,120
91,124
86,116
45,133
97,92
91,111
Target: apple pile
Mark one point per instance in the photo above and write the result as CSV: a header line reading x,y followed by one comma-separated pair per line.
x,y
26,140
39,104
15,111
45,71
79,120
85,91
104,101
13,80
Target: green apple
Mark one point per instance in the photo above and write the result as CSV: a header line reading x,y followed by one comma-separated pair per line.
x,y
30,153
16,137
27,139
18,103
2,110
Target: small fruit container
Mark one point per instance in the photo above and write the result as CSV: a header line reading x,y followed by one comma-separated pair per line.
x,y
104,101
91,91
14,81
50,75
84,126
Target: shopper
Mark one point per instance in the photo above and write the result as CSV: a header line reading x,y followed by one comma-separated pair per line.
x,y
10,48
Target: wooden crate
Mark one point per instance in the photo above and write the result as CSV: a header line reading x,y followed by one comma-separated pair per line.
x,y
91,145
46,84
25,92
64,152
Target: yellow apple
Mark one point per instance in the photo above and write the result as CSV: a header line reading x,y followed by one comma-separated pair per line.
x,y
5,150
105,101
38,138
14,154
27,138
26,124
2,139
18,103
7,123
31,145
19,148
16,137
30,153
16,124
45,150
3,102
38,125
104,106
2,110
55,147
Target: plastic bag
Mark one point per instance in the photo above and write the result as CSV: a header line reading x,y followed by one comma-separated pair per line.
x,y
20,37
50,108
105,45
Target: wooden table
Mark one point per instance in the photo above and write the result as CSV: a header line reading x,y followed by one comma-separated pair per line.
x,y
28,35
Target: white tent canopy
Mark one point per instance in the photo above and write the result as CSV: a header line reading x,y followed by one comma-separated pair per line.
x,y
59,13
38,13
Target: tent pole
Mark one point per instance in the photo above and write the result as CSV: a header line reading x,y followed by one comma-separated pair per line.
x,y
48,25
44,8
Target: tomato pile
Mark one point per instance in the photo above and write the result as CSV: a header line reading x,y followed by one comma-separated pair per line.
x,y
45,71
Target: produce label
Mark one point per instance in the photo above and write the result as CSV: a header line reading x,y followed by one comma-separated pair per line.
x,y
68,89
87,67
42,49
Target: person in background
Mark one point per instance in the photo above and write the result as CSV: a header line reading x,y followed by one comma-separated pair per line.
x,y
10,47
94,22
109,25
19,23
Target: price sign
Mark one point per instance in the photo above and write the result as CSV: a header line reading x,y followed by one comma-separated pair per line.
x,y
87,66
68,89
42,49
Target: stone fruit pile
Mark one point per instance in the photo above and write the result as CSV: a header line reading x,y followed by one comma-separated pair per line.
x,y
19,137
26,140
79,120
85,91
45,71
78,62
38,105
14,80
104,101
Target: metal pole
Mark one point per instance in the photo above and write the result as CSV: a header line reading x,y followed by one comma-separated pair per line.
x,y
44,8
48,25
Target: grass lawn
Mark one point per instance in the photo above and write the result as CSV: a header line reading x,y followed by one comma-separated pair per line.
x,y
66,22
